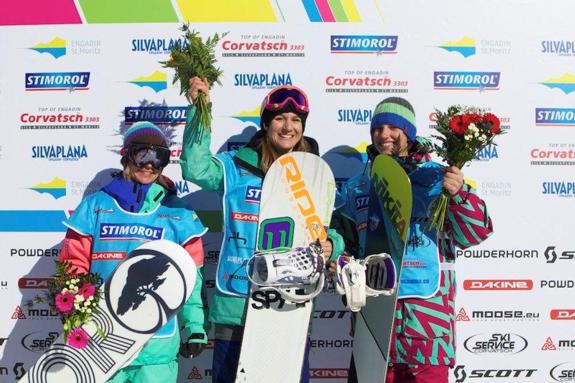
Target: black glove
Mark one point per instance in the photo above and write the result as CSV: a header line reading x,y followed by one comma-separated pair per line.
x,y
190,349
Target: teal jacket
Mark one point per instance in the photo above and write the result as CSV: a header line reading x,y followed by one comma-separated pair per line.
x,y
202,168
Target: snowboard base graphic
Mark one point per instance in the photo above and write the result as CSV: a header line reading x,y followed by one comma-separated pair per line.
x,y
143,293
388,224
296,204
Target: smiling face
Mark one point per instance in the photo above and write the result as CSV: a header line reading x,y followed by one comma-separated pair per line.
x,y
144,175
390,140
284,131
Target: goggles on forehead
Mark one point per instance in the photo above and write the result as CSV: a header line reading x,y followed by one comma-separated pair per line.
x,y
277,99
142,154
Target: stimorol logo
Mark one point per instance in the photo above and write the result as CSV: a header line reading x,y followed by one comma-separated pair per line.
x,y
56,48
171,115
57,81
157,81
56,188
466,80
555,116
363,44
157,46
123,231
253,194
565,83
465,46
258,80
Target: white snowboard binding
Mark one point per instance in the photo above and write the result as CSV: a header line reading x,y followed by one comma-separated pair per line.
x,y
297,274
369,277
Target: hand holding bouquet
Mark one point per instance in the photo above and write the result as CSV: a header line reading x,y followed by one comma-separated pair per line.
x,y
195,58
75,297
463,132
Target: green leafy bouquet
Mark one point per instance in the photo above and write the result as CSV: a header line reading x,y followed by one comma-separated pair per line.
x,y
463,131
75,297
195,57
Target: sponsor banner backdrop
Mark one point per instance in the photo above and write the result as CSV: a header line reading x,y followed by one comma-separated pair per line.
x,y
75,76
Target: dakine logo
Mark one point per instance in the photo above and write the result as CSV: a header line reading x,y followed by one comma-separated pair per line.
x,y
562,314
500,343
461,374
498,284
108,256
328,373
563,372
557,284
39,341
551,255
246,217
27,252
33,283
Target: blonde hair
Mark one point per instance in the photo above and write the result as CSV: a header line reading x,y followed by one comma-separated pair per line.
x,y
269,155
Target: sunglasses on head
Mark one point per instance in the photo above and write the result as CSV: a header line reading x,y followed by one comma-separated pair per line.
x,y
278,98
142,154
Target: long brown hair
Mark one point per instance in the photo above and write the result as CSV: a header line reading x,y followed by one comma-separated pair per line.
x,y
269,155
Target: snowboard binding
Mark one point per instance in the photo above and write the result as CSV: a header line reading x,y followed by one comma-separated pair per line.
x,y
369,277
297,274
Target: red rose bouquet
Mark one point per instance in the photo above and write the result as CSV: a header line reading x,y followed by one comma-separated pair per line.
x,y
75,297
463,131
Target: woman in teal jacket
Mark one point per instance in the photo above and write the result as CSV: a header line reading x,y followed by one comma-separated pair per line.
x,y
239,174
141,197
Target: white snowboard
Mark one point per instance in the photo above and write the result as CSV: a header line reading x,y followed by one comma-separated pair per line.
x,y
297,200
141,295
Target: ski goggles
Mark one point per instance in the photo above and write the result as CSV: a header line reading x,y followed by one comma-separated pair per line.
x,y
278,98
142,154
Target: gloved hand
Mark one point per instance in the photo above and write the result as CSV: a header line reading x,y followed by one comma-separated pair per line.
x,y
191,349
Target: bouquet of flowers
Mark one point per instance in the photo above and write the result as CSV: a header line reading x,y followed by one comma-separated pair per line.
x,y
463,132
75,297
193,58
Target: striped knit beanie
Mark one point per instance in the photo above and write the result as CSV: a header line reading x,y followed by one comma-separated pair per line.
x,y
395,111
145,132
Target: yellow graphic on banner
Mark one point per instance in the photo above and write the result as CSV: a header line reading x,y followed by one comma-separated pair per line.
x,y
226,10
351,10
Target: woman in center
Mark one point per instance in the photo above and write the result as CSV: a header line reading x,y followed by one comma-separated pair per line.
x,y
239,174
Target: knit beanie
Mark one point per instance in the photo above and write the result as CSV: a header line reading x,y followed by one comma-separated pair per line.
x,y
144,132
395,111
